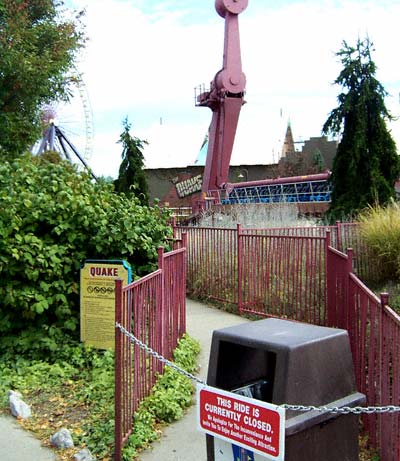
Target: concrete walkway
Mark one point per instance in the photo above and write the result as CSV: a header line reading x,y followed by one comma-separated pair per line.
x,y
16,444
181,441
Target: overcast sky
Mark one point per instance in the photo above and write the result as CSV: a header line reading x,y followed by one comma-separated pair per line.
x,y
144,58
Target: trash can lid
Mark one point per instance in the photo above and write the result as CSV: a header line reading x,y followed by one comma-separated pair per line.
x,y
312,365
279,333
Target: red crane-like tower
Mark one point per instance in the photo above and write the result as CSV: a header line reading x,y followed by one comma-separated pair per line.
x,y
225,98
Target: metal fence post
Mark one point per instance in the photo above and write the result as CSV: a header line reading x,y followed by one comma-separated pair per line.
x,y
329,274
174,229
384,299
118,373
184,262
184,239
386,381
348,317
239,266
164,315
338,236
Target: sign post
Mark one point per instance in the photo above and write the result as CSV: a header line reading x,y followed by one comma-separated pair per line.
x,y
97,299
244,422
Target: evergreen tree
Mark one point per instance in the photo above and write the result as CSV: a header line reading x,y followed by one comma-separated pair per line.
x,y
366,165
132,178
38,46
318,163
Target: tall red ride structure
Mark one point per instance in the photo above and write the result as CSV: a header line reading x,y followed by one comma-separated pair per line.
x,y
225,98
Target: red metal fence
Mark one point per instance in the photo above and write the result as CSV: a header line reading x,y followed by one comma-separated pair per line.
x,y
213,255
211,263
260,273
153,309
282,276
350,237
296,273
374,331
342,236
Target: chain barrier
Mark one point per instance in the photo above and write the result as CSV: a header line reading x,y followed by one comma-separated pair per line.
x,y
300,408
159,357
343,410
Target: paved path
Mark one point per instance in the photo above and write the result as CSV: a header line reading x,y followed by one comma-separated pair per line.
x,y
16,444
180,441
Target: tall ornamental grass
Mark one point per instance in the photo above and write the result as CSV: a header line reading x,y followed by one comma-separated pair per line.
x,y
380,228
256,215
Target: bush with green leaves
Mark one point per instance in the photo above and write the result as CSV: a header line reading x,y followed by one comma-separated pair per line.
x,y
53,218
75,389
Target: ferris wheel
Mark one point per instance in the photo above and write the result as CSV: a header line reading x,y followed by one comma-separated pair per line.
x,y
68,126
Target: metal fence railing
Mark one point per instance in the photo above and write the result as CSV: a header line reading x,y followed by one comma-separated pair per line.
x,y
350,237
211,263
282,276
153,308
258,271
299,274
342,236
303,274
374,331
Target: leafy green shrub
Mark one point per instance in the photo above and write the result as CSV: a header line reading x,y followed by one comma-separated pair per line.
x,y
77,392
171,394
53,218
380,228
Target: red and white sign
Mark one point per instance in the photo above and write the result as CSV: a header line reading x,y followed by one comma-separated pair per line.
x,y
249,423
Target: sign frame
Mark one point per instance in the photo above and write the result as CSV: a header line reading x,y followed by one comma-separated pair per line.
x,y
97,300
249,423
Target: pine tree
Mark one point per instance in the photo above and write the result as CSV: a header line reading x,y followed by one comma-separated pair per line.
x,y
366,165
318,163
132,178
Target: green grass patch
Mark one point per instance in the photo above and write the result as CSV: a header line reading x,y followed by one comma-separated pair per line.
x,y
77,392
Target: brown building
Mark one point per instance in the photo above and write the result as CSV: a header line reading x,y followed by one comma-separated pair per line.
x,y
182,186
288,144
316,156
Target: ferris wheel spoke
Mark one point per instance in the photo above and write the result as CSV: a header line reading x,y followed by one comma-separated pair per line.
x,y
74,119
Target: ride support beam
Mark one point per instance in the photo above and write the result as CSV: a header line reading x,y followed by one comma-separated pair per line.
x,y
220,144
225,99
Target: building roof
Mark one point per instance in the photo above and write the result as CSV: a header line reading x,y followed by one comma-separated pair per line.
x,y
288,143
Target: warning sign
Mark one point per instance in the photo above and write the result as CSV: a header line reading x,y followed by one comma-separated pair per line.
x,y
246,422
98,300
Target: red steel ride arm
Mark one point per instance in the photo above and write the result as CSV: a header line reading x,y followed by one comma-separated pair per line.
x,y
225,99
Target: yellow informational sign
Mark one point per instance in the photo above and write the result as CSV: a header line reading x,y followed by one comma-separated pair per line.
x,y
98,300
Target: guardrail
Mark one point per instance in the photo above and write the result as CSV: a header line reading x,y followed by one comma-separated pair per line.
x,y
258,270
297,273
153,309
374,331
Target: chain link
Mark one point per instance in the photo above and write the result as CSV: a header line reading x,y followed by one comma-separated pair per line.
x,y
343,410
159,357
300,408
